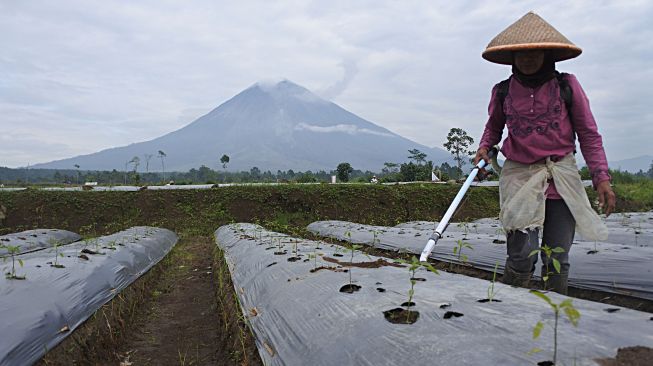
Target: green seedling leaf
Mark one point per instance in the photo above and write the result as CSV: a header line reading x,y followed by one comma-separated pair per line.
x,y
538,330
534,252
557,250
20,261
429,267
455,250
544,297
556,264
534,351
545,278
572,313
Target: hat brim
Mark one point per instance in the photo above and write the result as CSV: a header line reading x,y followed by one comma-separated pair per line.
x,y
503,54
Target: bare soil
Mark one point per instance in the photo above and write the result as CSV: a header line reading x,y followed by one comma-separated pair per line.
x,y
180,325
630,356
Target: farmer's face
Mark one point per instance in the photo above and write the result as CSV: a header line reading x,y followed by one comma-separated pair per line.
x,y
529,62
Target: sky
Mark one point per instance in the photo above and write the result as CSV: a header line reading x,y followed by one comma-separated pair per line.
x,y
79,76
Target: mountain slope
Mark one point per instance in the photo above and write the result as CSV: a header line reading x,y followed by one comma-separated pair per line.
x,y
277,126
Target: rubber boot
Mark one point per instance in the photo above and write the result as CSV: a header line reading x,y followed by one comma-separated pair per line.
x,y
514,278
556,282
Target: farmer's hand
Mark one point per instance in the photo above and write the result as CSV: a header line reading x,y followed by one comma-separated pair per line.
x,y
481,153
607,198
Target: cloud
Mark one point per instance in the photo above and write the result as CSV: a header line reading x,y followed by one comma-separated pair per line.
x,y
340,128
350,71
90,75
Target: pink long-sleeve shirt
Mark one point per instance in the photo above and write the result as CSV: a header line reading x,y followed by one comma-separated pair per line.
x,y
539,126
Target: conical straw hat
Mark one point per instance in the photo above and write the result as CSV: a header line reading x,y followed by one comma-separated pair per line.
x,y
530,32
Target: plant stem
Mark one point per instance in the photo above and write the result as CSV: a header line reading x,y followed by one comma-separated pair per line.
x,y
555,337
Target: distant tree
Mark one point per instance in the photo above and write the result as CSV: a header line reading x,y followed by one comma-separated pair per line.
x,y
408,171
307,177
136,161
255,172
343,170
162,156
224,160
77,167
147,162
458,144
650,171
417,155
390,168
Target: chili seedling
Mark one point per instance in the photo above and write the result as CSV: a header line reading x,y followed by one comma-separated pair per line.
x,y
490,290
413,266
570,311
55,245
458,250
13,251
548,253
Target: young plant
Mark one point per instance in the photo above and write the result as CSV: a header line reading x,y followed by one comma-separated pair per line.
x,y
490,290
56,244
458,250
570,311
375,238
413,266
13,251
465,226
352,249
548,253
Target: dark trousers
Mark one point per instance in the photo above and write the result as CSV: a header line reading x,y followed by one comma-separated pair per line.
x,y
559,228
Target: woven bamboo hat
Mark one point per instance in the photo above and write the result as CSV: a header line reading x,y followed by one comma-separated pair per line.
x,y
530,32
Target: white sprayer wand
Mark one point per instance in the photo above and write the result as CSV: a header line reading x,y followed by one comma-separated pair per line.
x,y
437,234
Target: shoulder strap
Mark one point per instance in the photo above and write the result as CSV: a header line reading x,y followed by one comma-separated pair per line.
x,y
565,89
502,90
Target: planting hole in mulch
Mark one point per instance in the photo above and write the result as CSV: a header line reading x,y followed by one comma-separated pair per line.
x,y
444,306
281,253
488,300
379,283
82,256
452,314
91,252
379,289
420,279
592,251
408,304
350,288
611,310
57,266
337,255
401,316
632,356
271,264
545,363
497,241
293,259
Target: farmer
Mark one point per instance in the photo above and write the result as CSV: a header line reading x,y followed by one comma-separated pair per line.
x,y
540,188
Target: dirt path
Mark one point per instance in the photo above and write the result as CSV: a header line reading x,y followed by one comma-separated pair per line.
x,y
180,326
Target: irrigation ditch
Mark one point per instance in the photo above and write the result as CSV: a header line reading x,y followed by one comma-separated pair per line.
x,y
164,317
